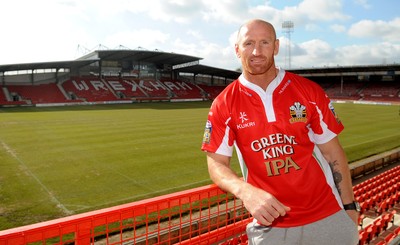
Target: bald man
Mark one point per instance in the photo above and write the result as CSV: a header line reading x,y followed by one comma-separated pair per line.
x,y
296,180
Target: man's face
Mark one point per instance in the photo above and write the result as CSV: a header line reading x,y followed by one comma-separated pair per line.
x,y
256,48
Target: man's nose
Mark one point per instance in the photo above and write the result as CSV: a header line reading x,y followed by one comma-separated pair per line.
x,y
256,50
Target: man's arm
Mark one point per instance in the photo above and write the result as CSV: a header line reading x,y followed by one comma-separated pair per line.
x,y
336,157
262,206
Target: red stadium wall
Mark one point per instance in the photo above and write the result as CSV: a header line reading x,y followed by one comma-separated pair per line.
x,y
94,90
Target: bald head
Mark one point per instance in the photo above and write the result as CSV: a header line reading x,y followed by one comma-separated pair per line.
x,y
255,23
256,47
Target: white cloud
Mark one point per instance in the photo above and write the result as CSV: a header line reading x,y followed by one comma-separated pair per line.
x,y
309,14
195,33
312,52
317,10
202,28
378,53
318,53
147,38
363,3
338,28
379,29
178,11
227,11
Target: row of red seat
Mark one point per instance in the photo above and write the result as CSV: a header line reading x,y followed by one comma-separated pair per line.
x,y
375,231
377,180
93,89
380,196
388,90
212,91
379,193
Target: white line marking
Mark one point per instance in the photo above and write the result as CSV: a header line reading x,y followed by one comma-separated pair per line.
x,y
151,194
369,141
26,169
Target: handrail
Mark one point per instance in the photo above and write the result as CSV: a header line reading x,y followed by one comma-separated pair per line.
x,y
173,217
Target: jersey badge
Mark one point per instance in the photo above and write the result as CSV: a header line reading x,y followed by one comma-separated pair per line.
x,y
298,113
207,133
333,112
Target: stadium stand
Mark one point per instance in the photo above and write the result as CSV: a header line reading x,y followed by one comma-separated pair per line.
x,y
94,89
204,215
127,87
211,91
112,76
183,90
348,90
383,91
89,89
37,94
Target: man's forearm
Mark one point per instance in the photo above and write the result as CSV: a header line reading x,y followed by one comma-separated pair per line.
x,y
342,178
223,176
336,157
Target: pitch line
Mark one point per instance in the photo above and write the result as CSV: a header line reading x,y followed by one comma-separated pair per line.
x,y
147,194
54,199
369,141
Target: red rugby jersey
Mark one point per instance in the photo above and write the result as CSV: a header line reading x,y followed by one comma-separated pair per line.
x,y
275,133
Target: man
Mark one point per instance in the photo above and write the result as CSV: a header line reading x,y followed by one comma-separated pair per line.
x,y
284,128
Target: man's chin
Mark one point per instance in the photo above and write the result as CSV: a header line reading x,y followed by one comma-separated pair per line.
x,y
258,71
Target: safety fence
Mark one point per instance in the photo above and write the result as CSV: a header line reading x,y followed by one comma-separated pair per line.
x,y
204,215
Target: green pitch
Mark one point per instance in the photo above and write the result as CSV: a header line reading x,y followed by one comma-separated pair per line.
x,y
66,160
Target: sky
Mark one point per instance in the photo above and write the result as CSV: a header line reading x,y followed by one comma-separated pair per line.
x,y
325,33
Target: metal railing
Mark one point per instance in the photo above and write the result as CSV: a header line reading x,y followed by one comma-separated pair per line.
x,y
200,215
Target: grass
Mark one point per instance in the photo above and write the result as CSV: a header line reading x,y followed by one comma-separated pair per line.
x,y
369,129
58,161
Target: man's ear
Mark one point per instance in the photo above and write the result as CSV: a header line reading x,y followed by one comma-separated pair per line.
x,y
276,50
237,50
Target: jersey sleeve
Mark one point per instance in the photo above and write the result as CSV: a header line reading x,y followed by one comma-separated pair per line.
x,y
325,123
218,136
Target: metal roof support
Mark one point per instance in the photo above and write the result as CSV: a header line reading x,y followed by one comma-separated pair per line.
x,y
31,77
341,84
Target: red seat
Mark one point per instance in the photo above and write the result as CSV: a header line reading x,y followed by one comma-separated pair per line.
x,y
388,218
378,223
391,201
397,231
362,237
382,207
364,207
371,231
389,237
397,196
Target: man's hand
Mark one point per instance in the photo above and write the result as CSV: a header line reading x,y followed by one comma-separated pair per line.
x,y
262,205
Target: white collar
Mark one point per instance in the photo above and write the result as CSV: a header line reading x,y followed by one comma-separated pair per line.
x,y
271,87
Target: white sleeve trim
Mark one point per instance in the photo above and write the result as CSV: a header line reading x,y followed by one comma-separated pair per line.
x,y
224,148
326,135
